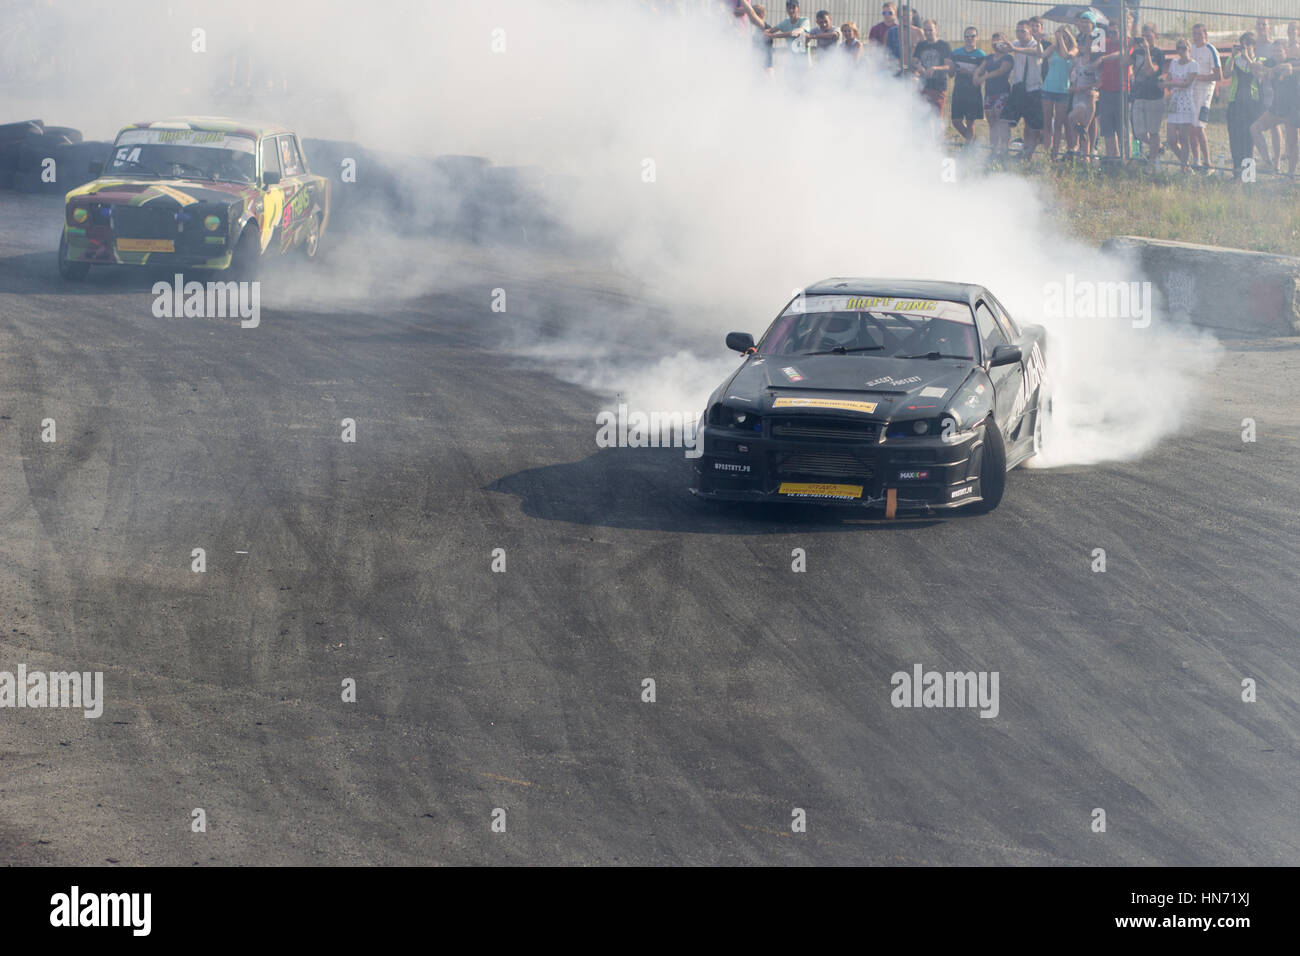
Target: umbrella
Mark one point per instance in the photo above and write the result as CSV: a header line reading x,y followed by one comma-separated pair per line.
x,y
1104,10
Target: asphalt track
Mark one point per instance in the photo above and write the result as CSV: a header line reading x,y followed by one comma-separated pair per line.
x,y
522,690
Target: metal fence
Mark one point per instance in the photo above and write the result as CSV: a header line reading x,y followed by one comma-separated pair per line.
x,y
1221,17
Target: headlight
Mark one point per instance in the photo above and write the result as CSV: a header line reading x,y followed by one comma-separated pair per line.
x,y
80,215
729,417
212,223
946,424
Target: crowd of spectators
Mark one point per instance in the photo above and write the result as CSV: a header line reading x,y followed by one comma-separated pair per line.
x,y
1070,88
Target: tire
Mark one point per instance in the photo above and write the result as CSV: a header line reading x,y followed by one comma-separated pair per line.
x,y
1042,415
73,135
247,257
12,132
993,469
71,271
311,241
1041,419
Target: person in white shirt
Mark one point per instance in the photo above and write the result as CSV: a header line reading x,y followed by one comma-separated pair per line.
x,y
1209,73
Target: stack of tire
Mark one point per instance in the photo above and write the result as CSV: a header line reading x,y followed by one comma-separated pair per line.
x,y
400,194
25,148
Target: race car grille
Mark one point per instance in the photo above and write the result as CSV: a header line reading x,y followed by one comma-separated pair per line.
x,y
828,464
824,429
144,222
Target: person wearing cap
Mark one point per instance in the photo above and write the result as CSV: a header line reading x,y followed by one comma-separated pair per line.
x,y
1245,103
794,31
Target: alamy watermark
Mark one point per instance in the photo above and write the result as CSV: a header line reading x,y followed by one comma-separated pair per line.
x,y
39,689
923,688
1085,299
638,429
208,300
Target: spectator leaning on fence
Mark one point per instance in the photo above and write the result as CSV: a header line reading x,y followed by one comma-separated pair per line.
x,y
1182,100
790,39
1209,73
1148,94
825,33
967,102
762,42
932,61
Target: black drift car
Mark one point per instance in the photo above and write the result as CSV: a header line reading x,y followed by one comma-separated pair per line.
x,y
878,393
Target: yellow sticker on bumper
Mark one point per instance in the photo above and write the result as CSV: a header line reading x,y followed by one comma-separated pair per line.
x,y
145,245
842,404
809,490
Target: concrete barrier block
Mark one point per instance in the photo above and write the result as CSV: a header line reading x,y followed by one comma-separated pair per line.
x,y
1229,289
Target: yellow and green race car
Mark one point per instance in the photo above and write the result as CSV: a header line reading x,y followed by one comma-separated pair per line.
x,y
195,192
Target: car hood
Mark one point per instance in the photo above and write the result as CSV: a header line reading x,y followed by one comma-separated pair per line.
x,y
184,192
892,386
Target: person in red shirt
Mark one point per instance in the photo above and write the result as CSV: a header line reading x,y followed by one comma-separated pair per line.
x,y
1114,75
888,18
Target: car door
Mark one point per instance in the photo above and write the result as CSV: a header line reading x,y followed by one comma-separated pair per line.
x,y
272,211
1008,380
297,195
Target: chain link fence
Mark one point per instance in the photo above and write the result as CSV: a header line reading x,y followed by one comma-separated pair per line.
x,y
1222,17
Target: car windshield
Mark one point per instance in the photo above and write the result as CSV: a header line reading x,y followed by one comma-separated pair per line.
x,y
873,326
174,161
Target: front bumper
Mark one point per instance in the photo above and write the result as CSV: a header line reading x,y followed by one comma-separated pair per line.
x,y
926,474
100,247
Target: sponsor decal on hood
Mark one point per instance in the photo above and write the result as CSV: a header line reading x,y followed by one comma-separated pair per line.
x,y
896,382
838,403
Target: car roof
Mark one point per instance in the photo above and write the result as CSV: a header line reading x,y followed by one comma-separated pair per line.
x,y
911,288
214,124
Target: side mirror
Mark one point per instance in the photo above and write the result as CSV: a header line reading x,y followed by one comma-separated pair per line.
x,y
95,170
270,179
740,341
1005,355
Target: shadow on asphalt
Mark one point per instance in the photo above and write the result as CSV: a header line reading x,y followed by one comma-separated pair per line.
x,y
647,489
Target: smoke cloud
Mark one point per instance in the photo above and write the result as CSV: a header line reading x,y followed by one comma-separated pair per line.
x,y
705,191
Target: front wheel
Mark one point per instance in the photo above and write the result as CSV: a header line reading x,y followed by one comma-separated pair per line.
x,y
993,469
72,271
247,257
